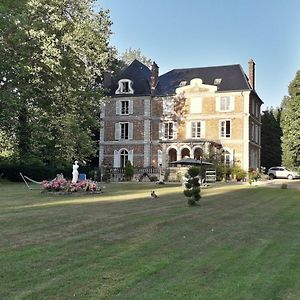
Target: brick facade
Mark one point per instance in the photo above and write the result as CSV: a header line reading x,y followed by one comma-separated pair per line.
x,y
159,136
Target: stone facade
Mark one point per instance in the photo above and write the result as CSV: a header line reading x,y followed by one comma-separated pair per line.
x,y
151,131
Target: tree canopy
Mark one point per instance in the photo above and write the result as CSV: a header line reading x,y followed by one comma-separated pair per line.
x,y
271,134
55,54
291,125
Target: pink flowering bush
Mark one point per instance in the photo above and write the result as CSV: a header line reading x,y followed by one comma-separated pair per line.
x,y
63,185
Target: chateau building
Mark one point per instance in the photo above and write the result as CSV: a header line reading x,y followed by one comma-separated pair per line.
x,y
153,120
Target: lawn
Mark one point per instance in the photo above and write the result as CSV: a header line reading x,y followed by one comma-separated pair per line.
x,y
242,242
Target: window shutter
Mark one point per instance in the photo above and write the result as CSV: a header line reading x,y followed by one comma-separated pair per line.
x,y
130,107
161,130
117,131
130,156
218,100
130,131
188,130
159,157
118,107
231,103
175,130
116,159
202,129
196,105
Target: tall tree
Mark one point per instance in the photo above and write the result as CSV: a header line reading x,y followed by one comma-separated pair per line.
x,y
271,138
131,54
290,123
55,50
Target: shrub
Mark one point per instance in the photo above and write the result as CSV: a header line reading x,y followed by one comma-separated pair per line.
x,y
239,173
129,170
12,171
192,186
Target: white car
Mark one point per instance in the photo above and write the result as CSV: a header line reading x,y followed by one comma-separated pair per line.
x,y
282,172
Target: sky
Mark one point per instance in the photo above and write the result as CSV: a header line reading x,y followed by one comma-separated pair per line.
x,y
201,33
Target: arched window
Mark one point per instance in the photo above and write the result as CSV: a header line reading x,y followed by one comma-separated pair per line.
x,y
172,155
198,153
226,158
123,158
185,152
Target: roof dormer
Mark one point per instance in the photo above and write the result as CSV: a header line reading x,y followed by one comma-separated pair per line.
x,y
125,87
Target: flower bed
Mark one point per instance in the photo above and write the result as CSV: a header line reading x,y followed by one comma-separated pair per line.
x,y
66,186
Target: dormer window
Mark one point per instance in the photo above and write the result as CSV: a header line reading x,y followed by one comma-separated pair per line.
x,y
217,81
125,87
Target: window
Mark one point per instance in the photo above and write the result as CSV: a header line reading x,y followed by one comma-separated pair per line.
x,y
125,107
217,81
226,158
125,87
257,110
225,128
123,131
256,134
123,158
252,132
169,130
196,129
225,103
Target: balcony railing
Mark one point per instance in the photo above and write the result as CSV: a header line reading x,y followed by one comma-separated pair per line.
x,y
149,170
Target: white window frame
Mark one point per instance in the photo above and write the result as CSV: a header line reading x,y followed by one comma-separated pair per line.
x,y
196,132
125,87
223,129
225,103
128,155
164,131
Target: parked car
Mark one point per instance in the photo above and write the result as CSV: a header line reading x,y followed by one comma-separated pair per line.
x,y
282,172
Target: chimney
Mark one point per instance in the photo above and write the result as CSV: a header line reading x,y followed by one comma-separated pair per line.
x,y
154,77
252,73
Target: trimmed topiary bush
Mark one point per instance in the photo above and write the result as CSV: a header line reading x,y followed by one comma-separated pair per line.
x,y
192,186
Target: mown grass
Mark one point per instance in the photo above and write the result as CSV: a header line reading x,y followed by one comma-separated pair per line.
x,y
242,242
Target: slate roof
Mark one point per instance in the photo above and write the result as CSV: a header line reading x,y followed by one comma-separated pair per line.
x,y
233,78
139,74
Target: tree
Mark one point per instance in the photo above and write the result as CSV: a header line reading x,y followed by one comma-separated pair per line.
x,y
271,134
55,52
290,125
131,54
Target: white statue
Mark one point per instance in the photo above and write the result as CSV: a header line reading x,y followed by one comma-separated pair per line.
x,y
75,172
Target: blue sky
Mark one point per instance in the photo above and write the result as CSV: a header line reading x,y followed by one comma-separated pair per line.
x,y
200,33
